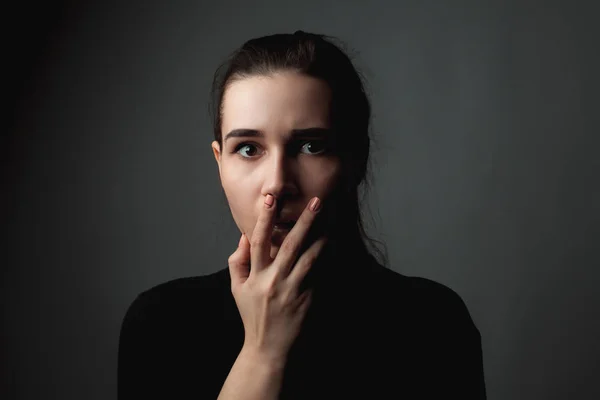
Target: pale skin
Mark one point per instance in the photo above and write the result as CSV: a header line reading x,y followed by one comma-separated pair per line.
x,y
262,176
280,165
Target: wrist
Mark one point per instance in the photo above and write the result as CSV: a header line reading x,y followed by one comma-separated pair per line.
x,y
261,358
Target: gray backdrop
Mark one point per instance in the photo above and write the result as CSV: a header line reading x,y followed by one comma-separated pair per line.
x,y
486,178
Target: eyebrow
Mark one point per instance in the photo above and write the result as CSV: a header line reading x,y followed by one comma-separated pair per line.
x,y
296,133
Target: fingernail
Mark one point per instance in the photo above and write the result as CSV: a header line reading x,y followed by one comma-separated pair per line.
x,y
269,201
241,240
315,205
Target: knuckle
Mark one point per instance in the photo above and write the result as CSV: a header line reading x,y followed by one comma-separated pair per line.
x,y
256,241
289,244
287,298
310,259
269,292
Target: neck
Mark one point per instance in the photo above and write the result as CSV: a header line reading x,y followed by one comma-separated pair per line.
x,y
342,258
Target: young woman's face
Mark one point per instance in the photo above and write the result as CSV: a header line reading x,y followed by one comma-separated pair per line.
x,y
275,131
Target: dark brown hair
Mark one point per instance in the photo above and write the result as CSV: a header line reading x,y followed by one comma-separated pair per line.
x,y
317,56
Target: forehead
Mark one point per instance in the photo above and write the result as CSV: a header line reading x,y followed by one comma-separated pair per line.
x,y
278,102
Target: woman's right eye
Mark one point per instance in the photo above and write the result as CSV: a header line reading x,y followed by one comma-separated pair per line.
x,y
244,148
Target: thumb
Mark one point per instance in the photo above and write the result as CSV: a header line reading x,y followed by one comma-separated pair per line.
x,y
239,262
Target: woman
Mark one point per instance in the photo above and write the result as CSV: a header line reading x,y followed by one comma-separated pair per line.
x,y
303,310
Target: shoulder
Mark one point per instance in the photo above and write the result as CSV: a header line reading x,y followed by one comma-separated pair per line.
x,y
429,301
179,296
440,300
213,282
413,286
170,326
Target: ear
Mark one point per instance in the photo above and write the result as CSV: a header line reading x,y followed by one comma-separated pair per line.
x,y
217,153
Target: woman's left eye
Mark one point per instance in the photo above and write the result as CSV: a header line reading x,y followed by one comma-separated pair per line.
x,y
314,147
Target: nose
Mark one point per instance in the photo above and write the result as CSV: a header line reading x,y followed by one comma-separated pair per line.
x,y
279,177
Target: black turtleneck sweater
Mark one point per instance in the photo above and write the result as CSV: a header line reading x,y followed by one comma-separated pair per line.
x,y
370,333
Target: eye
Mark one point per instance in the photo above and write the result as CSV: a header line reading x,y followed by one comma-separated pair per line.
x,y
246,150
314,147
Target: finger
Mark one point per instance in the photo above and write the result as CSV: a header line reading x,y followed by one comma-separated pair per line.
x,y
305,263
260,243
239,262
303,301
290,248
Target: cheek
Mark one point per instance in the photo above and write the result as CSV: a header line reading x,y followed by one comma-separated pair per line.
x,y
240,192
235,181
321,178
